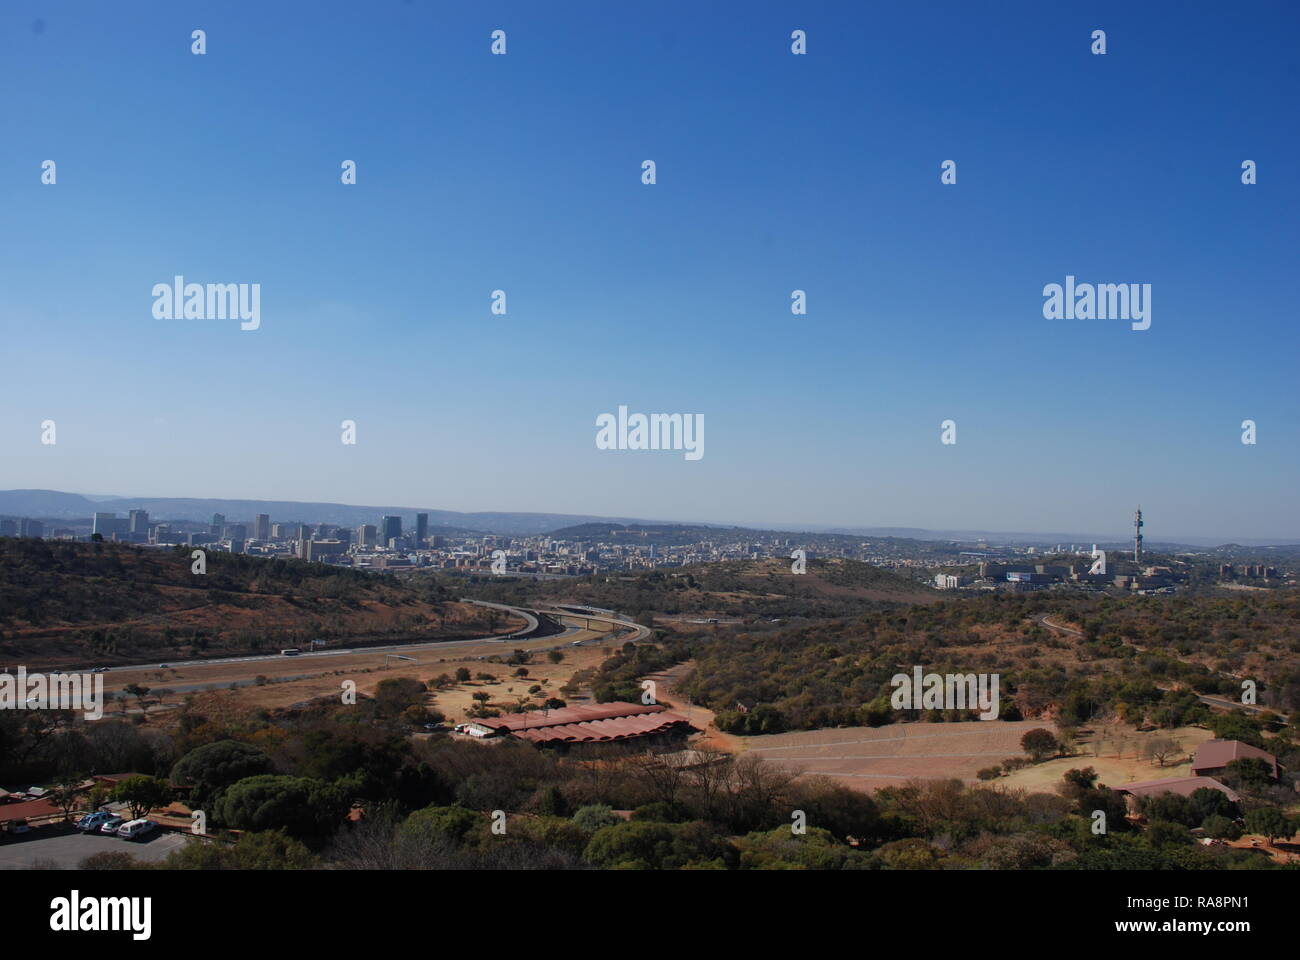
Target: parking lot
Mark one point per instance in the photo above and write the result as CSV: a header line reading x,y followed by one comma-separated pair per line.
x,y
63,848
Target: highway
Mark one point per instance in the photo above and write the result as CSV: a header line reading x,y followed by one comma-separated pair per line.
x,y
530,618
307,654
642,633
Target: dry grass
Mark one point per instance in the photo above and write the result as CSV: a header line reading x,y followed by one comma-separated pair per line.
x,y
867,758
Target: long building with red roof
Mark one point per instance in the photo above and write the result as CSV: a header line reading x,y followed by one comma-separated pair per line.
x,y
594,723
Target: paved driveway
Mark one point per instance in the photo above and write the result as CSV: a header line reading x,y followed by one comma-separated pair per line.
x,y
65,850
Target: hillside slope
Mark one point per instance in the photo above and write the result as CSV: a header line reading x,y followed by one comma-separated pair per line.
x,y
740,588
69,604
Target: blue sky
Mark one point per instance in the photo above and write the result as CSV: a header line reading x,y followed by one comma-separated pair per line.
x,y
775,172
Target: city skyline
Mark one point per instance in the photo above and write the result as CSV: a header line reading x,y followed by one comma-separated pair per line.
x,y
301,512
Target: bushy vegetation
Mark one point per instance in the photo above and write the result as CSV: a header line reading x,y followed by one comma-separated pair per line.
x,y
837,672
106,602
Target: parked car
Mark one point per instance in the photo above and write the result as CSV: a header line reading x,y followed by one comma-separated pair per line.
x,y
20,826
110,825
92,821
135,829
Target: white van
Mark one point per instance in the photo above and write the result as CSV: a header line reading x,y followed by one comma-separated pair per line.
x,y
134,829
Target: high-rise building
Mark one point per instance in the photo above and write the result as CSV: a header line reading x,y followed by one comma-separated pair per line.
x,y
109,525
317,549
367,534
138,524
262,527
217,525
1137,536
421,529
390,529
8,528
30,528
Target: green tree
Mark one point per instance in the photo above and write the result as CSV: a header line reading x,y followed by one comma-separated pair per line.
x,y
1039,744
1268,822
142,794
66,794
441,825
1221,828
302,807
1248,772
214,766
594,817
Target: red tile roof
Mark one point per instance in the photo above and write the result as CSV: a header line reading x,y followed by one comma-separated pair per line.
x,y
601,722
1213,754
1183,786
30,808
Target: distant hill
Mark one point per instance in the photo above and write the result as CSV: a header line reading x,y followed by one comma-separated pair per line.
x,y
56,505
663,534
740,588
84,604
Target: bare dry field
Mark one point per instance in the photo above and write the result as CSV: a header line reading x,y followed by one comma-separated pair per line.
x,y
1116,753
867,758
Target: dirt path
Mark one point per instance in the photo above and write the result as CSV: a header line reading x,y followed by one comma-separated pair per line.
x,y
700,717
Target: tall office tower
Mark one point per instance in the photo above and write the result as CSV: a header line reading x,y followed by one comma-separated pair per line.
x,y
390,529
367,534
162,533
217,524
421,529
103,524
138,523
237,531
31,528
262,527
324,531
8,528
1137,536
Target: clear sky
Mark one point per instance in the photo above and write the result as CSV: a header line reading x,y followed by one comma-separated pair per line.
x,y
775,172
